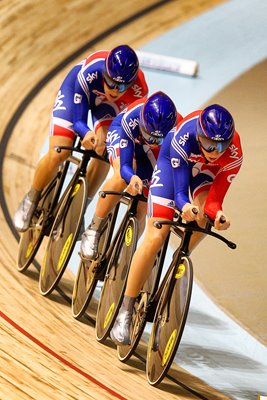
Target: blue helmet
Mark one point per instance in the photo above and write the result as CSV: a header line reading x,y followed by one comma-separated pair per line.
x,y
157,117
215,128
122,64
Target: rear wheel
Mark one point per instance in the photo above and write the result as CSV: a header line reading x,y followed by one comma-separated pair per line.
x,y
63,236
31,240
115,280
169,322
90,271
140,311
136,329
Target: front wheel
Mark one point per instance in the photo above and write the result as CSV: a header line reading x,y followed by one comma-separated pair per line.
x,y
31,240
63,236
115,280
142,309
169,321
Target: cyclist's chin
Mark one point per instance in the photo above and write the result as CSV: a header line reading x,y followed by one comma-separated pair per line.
x,y
212,157
112,95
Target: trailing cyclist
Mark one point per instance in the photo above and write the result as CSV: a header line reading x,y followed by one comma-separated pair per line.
x,y
104,83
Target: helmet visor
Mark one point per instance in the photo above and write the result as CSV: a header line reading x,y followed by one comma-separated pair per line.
x,y
121,87
210,145
149,138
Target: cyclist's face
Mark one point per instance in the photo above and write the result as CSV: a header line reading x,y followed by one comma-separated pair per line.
x,y
112,94
213,156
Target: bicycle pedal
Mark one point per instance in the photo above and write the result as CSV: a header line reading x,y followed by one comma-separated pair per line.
x,y
85,259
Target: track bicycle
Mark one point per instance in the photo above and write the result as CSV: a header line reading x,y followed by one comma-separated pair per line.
x,y
115,278
173,299
67,220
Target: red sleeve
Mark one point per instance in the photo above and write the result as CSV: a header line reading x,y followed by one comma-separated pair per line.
x,y
97,55
136,91
230,163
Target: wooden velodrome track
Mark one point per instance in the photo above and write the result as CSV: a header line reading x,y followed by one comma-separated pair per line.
x,y
45,353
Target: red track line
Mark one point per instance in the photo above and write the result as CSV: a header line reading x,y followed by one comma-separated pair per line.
x,y
58,357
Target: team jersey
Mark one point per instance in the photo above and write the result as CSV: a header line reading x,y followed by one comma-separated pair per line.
x,y
82,91
124,139
182,166
89,92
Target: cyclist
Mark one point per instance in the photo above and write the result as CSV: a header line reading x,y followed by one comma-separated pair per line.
x,y
104,83
196,165
133,144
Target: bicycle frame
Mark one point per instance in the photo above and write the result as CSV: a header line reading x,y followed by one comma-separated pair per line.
x,y
132,203
80,171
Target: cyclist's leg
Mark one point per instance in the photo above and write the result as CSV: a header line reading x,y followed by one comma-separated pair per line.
x,y
97,170
61,133
144,257
141,217
96,173
90,238
140,269
115,183
49,163
44,173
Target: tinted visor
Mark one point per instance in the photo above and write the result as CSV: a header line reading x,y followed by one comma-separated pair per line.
x,y
150,139
210,145
121,87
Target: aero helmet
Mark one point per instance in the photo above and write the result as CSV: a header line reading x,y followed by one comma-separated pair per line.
x,y
122,64
216,125
157,117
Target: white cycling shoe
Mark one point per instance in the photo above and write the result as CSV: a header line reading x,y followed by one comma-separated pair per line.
x,y
120,333
89,244
24,213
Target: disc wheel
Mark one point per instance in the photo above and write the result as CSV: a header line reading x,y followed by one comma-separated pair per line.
x,y
63,236
115,280
169,322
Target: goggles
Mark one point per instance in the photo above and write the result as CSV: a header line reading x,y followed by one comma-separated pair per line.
x,y
150,140
210,145
121,87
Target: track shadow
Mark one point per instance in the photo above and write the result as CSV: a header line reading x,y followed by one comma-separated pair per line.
x,y
204,320
195,356
32,274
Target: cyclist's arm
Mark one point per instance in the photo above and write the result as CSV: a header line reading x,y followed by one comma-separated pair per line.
x,y
181,174
218,191
127,147
231,162
81,107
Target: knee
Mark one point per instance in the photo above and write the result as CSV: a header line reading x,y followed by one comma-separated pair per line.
x,y
55,159
154,239
117,182
202,220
